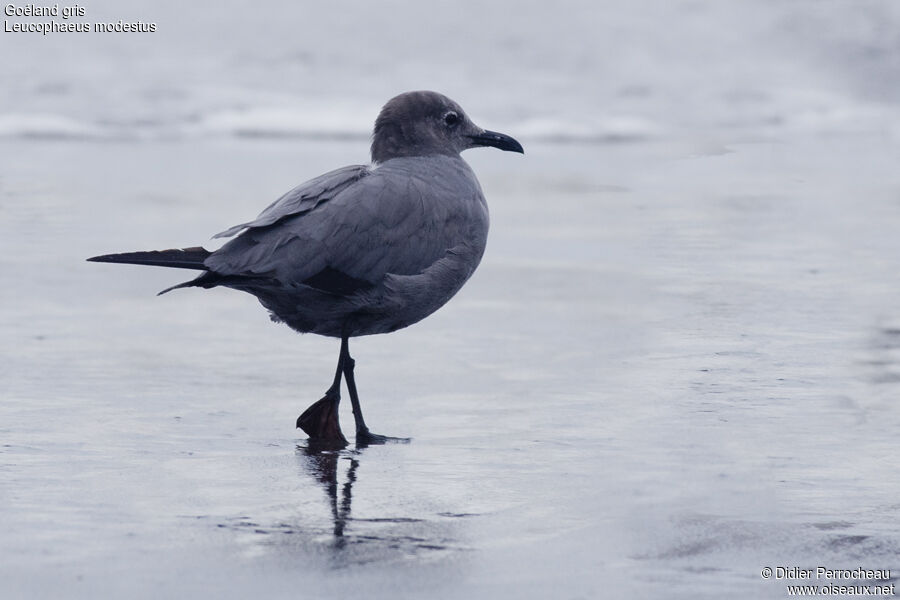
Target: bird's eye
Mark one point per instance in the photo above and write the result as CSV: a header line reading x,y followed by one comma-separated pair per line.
x,y
451,119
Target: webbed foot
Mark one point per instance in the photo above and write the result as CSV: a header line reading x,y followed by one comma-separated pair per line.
x,y
320,421
365,438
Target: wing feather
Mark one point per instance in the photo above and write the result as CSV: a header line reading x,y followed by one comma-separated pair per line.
x,y
395,219
303,198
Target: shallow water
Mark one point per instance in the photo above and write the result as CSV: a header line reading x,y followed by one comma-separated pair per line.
x,y
676,365
662,384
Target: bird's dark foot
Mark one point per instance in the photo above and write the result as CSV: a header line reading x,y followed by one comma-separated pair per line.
x,y
320,422
364,438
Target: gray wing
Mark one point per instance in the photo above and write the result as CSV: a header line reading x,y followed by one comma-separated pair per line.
x,y
302,198
396,222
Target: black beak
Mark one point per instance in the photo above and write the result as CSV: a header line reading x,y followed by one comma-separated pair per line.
x,y
497,140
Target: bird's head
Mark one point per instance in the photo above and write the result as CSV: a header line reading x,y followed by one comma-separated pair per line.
x,y
427,123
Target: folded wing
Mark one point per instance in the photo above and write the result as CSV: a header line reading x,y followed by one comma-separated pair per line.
x,y
303,198
374,222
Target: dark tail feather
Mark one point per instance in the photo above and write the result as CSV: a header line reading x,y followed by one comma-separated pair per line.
x,y
210,280
186,258
202,281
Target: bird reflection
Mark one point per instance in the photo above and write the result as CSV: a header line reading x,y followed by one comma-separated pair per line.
x,y
885,355
322,463
358,540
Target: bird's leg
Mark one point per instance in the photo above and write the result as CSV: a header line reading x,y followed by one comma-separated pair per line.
x,y
320,421
348,364
364,437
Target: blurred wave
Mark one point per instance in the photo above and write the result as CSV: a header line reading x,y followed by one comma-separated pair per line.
x,y
592,73
282,122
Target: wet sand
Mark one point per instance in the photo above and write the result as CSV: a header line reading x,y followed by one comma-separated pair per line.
x,y
676,365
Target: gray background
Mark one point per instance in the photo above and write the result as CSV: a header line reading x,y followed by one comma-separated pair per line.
x,y
677,364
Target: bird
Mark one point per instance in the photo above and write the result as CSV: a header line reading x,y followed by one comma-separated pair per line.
x,y
361,250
